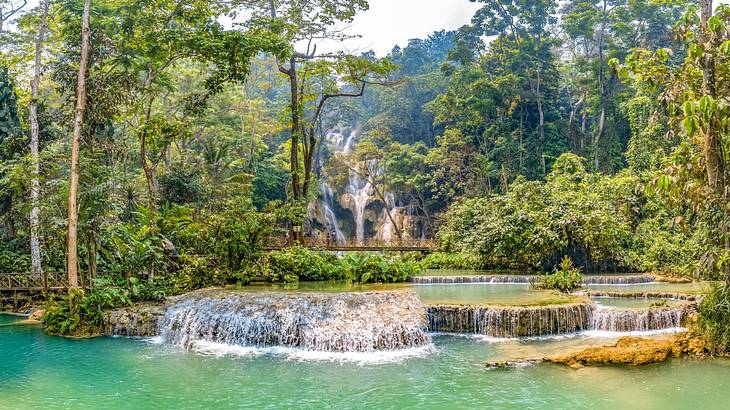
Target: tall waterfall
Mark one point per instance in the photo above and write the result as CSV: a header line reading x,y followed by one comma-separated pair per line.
x,y
331,222
355,210
327,322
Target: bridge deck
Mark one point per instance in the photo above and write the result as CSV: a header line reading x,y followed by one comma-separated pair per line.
x,y
346,248
371,245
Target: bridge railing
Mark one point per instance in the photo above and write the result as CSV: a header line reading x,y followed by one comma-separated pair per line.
x,y
371,243
30,281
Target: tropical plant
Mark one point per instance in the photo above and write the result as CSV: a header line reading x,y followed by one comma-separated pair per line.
x,y
566,277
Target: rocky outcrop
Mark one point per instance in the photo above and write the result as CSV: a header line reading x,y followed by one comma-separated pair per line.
x,y
634,351
138,320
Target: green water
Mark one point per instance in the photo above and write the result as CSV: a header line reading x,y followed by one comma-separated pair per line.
x,y
489,294
43,372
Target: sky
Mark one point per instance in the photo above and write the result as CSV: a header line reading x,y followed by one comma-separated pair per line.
x,y
391,22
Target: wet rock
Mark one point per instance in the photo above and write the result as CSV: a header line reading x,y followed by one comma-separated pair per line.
x,y
138,320
37,314
634,351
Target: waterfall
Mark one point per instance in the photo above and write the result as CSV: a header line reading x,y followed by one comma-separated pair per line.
x,y
617,280
361,191
331,223
326,322
387,230
587,279
500,321
638,320
474,279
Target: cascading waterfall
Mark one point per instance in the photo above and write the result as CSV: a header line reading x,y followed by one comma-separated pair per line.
x,y
617,280
587,279
357,196
500,321
387,230
359,189
331,223
638,320
326,322
474,279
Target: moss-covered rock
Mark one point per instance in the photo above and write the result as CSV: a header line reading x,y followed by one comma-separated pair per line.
x,y
634,351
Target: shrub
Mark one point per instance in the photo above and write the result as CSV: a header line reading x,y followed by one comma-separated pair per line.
x,y
446,260
374,268
79,313
298,263
14,262
714,319
566,277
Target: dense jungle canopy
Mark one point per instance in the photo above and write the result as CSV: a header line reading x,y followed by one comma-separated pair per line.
x,y
595,128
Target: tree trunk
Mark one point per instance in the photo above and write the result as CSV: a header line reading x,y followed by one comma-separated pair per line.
x,y
72,261
541,124
35,246
295,130
296,126
711,146
601,89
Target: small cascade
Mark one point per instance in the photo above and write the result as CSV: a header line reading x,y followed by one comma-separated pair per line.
x,y
526,279
326,322
330,218
617,280
499,321
638,320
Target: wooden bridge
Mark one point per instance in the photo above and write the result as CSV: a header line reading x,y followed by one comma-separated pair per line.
x,y
370,245
31,282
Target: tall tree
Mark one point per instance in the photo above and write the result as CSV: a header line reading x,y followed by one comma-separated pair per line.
x,y
35,247
72,260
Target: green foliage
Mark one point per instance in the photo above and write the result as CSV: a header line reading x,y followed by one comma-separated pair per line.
x,y
447,260
79,313
375,268
714,319
566,277
591,217
14,262
298,263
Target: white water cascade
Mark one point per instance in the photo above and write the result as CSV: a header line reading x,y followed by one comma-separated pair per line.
x,y
369,215
325,322
331,223
638,320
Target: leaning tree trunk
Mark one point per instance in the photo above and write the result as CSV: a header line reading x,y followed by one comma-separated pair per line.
x,y
72,261
35,246
601,90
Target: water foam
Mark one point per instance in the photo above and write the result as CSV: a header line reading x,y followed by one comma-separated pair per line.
x,y
365,322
